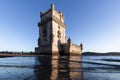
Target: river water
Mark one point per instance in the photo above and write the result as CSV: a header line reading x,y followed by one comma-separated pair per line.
x,y
60,68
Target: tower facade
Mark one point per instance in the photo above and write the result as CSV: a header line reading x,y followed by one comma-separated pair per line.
x,y
51,31
52,36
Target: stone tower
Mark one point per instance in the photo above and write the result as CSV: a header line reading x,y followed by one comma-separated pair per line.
x,y
51,32
52,37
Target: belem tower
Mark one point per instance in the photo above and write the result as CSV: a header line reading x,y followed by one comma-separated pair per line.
x,y
52,36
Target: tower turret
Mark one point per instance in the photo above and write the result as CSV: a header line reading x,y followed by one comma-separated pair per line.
x,y
52,6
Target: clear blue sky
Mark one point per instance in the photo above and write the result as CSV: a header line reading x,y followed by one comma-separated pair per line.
x,y
95,23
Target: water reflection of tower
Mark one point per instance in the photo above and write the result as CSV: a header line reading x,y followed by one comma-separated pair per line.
x,y
43,68
70,68
58,68
76,72
63,68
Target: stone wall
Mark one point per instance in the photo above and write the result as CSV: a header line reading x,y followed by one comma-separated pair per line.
x,y
44,49
75,49
45,40
71,49
58,15
46,15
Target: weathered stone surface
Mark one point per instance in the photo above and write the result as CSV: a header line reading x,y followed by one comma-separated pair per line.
x,y
52,36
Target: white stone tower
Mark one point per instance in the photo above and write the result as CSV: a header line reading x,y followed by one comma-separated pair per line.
x,y
51,32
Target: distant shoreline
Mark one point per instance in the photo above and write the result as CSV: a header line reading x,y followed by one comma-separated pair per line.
x,y
30,54
101,54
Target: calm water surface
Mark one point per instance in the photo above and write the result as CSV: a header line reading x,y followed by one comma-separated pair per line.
x,y
60,68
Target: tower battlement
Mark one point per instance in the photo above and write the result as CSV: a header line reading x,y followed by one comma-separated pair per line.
x,y
52,12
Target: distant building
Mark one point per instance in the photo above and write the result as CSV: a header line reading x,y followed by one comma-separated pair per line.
x,y
52,36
